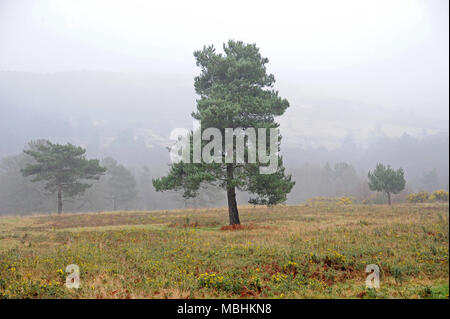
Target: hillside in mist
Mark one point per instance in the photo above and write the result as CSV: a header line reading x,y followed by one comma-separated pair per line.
x,y
129,116
99,107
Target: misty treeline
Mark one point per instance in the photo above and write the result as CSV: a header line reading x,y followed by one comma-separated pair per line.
x,y
119,188
125,120
127,187
324,172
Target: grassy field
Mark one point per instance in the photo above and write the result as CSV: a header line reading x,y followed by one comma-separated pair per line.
x,y
316,250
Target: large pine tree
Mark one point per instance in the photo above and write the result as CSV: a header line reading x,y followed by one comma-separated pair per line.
x,y
235,92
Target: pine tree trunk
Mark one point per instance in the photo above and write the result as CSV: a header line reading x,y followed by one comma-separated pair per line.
x,y
59,202
232,207
231,196
389,198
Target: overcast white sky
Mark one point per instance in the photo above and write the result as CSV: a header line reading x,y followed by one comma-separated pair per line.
x,y
392,52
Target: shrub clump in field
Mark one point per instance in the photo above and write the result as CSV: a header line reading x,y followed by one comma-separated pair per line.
x,y
222,282
440,195
345,200
421,197
211,280
424,197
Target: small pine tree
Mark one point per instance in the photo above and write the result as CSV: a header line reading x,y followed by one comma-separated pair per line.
x,y
64,168
385,179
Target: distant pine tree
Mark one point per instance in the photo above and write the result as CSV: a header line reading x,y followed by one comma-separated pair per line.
x,y
385,179
64,168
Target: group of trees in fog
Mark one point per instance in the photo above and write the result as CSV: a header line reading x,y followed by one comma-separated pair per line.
x,y
235,91
64,170
29,180
342,179
18,195
126,188
27,185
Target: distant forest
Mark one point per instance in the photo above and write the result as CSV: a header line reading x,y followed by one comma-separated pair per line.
x,y
84,110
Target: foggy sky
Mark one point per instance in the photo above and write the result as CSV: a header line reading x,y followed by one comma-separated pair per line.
x,y
393,53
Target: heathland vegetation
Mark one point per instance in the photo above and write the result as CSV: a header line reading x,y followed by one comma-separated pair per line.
x,y
319,249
